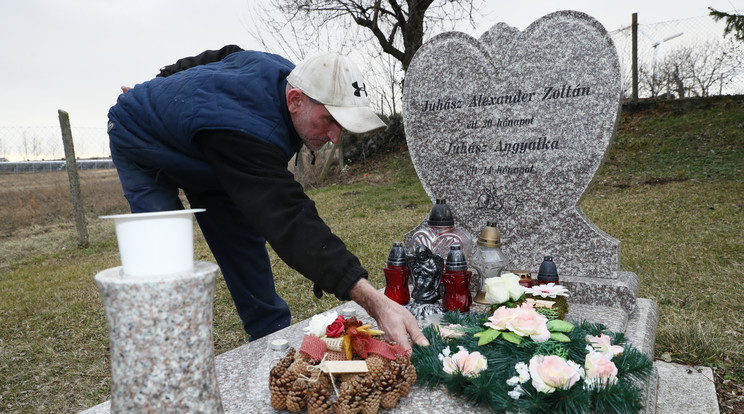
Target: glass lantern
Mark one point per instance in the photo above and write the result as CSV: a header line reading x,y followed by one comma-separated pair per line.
x,y
488,259
440,232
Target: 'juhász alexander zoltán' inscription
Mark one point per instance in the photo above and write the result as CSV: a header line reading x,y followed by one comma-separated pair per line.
x,y
548,93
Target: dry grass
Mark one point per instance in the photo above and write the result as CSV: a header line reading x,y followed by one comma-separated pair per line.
x,y
37,199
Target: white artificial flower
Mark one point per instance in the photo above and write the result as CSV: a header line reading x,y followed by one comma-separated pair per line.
x,y
319,323
577,367
515,394
445,353
464,362
522,368
512,381
523,372
503,288
550,290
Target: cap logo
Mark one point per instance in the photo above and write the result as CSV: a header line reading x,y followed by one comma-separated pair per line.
x,y
358,90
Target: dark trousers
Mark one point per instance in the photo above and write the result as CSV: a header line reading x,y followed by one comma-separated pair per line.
x,y
239,250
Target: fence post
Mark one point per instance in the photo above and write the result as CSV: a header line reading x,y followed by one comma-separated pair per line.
x,y
72,174
328,163
634,31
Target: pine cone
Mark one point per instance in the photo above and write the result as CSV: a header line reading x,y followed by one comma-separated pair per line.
x,y
377,366
348,401
297,397
410,379
279,388
404,373
370,395
299,367
319,399
389,390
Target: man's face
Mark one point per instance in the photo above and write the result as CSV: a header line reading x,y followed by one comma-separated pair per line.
x,y
313,122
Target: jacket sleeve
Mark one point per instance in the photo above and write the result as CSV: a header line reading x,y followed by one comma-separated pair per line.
x,y
203,58
254,174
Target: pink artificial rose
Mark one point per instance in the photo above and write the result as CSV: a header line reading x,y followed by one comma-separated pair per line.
x,y
336,328
527,322
599,369
552,372
452,331
500,318
603,344
468,364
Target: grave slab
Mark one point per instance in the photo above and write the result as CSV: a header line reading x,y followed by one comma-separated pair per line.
x,y
685,389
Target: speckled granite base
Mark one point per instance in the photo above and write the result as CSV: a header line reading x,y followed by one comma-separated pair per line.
x,y
619,292
162,351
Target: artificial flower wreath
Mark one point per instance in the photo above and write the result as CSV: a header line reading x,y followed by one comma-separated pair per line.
x,y
519,360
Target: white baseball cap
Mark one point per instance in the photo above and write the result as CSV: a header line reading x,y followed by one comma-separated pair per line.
x,y
335,81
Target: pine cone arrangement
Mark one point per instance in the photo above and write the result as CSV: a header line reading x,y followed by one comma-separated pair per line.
x,y
297,384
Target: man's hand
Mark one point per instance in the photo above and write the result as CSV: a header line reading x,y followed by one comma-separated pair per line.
x,y
125,89
394,319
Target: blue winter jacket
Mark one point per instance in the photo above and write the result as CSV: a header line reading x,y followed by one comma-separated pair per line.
x,y
243,92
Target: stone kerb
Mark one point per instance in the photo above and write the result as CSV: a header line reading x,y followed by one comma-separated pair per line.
x,y
512,128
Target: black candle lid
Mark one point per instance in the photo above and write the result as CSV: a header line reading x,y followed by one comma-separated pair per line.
x,y
397,256
440,214
456,259
548,269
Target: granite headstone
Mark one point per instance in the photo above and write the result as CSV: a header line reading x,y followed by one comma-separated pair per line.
x,y
512,128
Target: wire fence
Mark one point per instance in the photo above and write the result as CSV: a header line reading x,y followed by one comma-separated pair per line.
x,y
678,58
681,58
45,143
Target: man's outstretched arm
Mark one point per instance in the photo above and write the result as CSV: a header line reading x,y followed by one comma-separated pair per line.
x,y
397,322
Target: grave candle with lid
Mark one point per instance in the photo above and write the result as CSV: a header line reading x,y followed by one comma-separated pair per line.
x,y
440,232
396,275
456,280
548,272
488,259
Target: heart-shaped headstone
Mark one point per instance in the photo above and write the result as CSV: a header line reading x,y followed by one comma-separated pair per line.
x,y
512,128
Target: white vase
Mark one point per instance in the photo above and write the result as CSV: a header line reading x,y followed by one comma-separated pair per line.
x,y
155,243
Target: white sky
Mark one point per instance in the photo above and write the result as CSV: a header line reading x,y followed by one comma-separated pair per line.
x,y
74,55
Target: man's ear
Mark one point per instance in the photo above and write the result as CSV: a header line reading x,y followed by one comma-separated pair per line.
x,y
295,100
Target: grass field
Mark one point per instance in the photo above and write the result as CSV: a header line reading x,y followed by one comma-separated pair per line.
x,y
671,190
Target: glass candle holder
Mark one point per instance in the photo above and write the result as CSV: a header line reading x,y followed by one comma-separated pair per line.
x,y
488,259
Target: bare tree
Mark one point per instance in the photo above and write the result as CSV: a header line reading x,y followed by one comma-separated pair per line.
x,y
713,65
697,70
648,81
399,27
386,79
387,33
